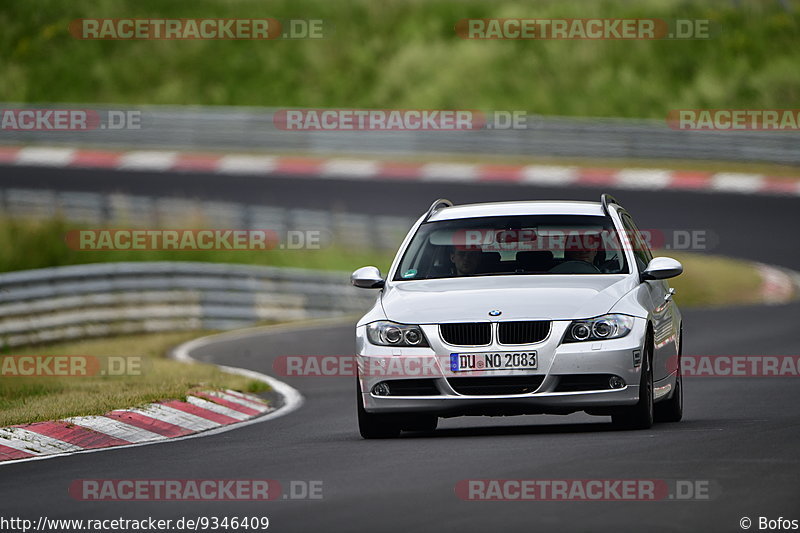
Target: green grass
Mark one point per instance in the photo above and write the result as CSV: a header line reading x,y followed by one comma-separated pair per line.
x,y
714,281
404,53
32,399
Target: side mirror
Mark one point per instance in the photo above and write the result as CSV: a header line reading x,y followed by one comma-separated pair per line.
x,y
368,277
662,268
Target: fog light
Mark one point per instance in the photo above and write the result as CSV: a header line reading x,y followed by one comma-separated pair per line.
x,y
381,389
616,382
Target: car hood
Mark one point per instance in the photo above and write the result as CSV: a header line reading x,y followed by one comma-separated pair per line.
x,y
548,297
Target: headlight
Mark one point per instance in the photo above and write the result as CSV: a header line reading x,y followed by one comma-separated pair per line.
x,y
393,334
598,329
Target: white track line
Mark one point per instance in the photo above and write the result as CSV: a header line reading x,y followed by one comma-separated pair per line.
x,y
46,157
147,160
549,175
344,168
449,172
31,442
736,182
246,164
176,417
244,402
637,178
777,286
292,399
350,168
216,408
115,428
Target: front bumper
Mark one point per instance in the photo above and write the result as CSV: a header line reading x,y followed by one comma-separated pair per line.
x,y
556,363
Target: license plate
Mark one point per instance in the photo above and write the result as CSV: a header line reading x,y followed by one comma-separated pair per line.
x,y
464,362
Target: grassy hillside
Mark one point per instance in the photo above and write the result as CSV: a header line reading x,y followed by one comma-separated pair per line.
x,y
404,53
26,244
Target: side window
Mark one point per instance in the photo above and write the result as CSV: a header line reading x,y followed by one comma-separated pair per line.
x,y
640,249
645,242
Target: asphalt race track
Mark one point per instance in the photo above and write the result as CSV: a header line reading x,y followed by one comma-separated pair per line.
x,y
739,434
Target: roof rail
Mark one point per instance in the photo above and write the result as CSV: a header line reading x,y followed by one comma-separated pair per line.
x,y
607,200
441,202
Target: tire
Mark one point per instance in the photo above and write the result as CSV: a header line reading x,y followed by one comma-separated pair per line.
x,y
420,422
672,410
641,415
375,426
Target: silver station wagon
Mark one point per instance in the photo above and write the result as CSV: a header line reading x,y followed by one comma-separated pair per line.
x,y
528,307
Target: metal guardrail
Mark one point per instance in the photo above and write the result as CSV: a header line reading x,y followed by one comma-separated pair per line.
x,y
349,230
248,128
61,303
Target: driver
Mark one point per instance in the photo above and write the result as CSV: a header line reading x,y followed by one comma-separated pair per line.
x,y
587,256
582,249
465,262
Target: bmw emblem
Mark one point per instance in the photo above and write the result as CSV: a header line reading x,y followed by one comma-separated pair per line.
x,y
495,312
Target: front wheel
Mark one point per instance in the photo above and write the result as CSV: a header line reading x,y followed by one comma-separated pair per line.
x,y
375,426
672,410
641,415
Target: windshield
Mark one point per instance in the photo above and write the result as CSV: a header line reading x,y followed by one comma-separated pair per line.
x,y
513,245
